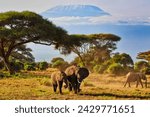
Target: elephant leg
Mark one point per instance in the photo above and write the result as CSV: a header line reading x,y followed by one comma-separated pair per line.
x,y
141,83
137,83
70,87
60,86
55,87
129,84
125,84
75,88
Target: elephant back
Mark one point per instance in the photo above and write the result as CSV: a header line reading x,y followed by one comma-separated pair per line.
x,y
71,70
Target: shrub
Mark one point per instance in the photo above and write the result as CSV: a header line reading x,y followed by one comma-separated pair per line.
x,y
17,65
146,70
1,65
116,69
100,68
141,66
60,65
57,63
29,66
56,59
43,65
97,68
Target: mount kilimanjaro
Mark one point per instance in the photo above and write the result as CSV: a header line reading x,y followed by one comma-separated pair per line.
x,y
74,10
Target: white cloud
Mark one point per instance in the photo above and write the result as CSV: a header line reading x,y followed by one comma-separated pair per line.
x,y
101,20
70,20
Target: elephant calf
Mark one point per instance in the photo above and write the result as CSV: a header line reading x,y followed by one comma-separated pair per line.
x,y
57,80
136,77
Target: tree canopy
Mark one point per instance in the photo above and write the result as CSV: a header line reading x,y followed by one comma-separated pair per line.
x,y
123,59
94,47
144,55
20,28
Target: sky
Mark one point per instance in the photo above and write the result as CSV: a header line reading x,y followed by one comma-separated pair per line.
x,y
129,10
129,14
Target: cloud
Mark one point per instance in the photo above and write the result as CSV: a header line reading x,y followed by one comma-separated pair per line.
x,y
117,20
70,20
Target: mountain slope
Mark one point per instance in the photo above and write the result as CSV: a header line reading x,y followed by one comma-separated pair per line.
x,y
74,10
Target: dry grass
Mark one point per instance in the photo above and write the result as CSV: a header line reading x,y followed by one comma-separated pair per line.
x,y
37,85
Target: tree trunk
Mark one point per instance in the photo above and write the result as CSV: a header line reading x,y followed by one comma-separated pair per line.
x,y
81,59
8,66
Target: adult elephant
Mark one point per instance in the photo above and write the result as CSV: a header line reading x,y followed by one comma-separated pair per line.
x,y
75,76
136,77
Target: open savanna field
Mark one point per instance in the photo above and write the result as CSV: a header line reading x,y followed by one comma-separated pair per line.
x,y
36,85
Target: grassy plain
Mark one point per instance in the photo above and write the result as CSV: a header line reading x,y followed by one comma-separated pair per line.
x,y
36,85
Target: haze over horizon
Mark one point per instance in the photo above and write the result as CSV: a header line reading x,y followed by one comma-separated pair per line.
x,y
128,19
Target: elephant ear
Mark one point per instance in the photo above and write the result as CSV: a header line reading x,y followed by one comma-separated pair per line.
x,y
83,73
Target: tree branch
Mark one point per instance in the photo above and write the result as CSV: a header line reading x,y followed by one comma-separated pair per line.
x,y
48,44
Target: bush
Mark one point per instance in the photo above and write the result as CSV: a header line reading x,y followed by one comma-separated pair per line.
x,y
97,68
17,66
29,66
146,70
141,66
43,65
100,68
61,65
57,63
56,59
116,69
1,65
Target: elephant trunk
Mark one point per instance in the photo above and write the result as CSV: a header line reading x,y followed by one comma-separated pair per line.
x,y
66,82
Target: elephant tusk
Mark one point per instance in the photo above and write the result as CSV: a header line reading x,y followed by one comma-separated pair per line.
x,y
78,81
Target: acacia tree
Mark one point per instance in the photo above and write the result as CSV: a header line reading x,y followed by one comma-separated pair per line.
x,y
22,54
123,59
20,28
96,47
144,55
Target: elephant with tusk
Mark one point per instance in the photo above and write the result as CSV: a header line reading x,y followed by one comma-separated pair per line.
x,y
58,78
75,76
136,77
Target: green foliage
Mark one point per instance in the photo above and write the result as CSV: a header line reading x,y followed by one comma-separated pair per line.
x,y
59,63
29,66
124,59
56,59
96,68
99,68
17,65
116,69
20,28
1,65
144,55
23,54
146,70
43,65
95,48
141,66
